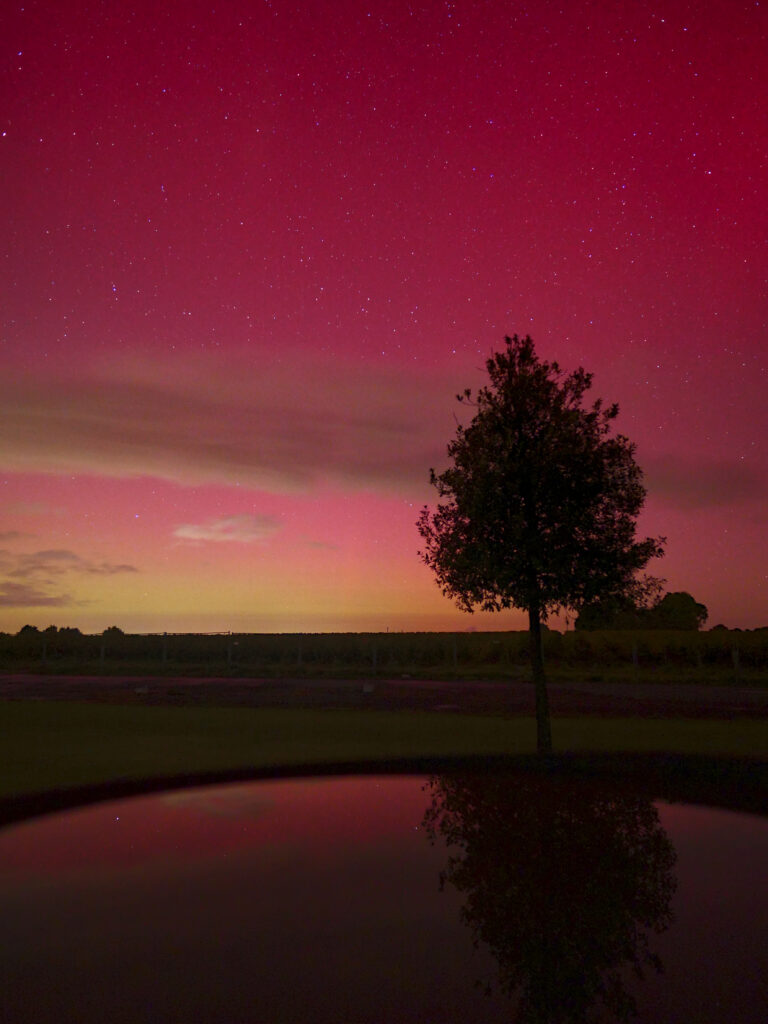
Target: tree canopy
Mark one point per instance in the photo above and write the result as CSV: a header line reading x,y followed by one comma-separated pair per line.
x,y
538,508
676,610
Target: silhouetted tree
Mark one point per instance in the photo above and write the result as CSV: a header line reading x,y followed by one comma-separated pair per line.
x,y
611,614
677,610
540,503
564,881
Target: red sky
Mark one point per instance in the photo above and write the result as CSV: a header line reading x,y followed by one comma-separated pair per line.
x,y
251,253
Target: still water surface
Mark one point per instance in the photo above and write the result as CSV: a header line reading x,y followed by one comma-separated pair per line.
x,y
386,898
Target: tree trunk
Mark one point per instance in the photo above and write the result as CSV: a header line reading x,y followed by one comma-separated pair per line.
x,y
543,727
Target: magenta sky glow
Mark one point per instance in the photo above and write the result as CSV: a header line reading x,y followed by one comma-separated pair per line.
x,y
250,254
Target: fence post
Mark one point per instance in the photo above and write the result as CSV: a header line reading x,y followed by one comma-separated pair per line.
x,y
229,650
45,650
735,659
373,657
165,647
455,653
102,649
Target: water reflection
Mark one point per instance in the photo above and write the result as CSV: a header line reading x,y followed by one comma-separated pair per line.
x,y
317,899
565,884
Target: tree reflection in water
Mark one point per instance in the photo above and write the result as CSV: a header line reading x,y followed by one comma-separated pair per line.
x,y
564,880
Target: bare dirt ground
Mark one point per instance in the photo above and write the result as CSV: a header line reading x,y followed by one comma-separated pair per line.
x,y
514,698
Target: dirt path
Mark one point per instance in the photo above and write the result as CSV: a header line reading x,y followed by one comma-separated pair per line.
x,y
578,698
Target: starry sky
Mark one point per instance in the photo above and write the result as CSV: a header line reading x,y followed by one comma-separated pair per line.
x,y
252,250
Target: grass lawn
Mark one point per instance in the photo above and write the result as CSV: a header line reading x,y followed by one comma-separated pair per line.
x,y
56,744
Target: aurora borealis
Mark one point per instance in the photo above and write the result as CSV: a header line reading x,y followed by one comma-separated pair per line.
x,y
251,251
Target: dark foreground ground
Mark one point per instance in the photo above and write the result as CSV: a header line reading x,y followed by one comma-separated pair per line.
x,y
687,700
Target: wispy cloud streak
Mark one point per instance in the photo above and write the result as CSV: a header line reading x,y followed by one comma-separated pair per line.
x,y
246,529
277,428
56,562
22,595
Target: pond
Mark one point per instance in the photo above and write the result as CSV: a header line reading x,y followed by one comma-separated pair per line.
x,y
461,896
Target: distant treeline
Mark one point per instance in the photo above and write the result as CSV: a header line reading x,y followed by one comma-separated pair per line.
x,y
677,610
466,654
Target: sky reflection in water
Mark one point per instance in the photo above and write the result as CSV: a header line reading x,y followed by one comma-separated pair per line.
x,y
358,899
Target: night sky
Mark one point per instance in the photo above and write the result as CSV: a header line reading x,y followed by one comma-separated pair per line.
x,y
251,251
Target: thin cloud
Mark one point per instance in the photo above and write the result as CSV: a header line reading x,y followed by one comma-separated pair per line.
x,y
245,529
107,568
11,535
322,545
31,508
281,428
55,562
22,595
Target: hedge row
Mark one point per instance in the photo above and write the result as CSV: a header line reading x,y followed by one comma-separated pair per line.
x,y
349,652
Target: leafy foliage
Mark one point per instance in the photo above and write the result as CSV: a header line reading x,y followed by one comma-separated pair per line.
x,y
541,499
677,610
